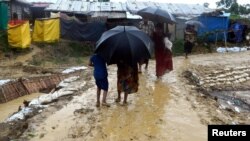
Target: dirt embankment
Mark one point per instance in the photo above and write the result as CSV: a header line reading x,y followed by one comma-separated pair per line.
x,y
223,85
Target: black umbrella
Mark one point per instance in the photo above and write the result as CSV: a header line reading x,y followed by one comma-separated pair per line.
x,y
195,23
157,15
126,43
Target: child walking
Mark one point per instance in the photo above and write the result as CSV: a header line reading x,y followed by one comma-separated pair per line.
x,y
101,78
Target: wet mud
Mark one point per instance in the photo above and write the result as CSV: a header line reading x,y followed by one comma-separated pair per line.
x,y
176,107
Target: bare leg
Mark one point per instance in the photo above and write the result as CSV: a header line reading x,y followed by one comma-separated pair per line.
x,y
119,97
104,96
139,69
104,103
146,66
98,97
125,98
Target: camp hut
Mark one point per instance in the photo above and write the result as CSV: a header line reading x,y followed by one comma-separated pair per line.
x,y
216,26
182,13
3,14
19,34
46,30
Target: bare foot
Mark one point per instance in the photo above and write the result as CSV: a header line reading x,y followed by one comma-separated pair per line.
x,y
125,103
97,104
118,100
105,104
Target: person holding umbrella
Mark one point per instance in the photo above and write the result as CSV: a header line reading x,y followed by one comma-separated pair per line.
x,y
163,54
125,46
127,80
189,39
101,78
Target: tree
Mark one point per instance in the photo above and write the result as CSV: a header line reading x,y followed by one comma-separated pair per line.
x,y
206,4
226,3
233,7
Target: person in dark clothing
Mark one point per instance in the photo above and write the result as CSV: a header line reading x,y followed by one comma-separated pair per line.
x,y
189,39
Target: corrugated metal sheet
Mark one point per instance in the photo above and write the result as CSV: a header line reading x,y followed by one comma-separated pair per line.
x,y
176,9
83,6
37,1
109,15
80,6
65,5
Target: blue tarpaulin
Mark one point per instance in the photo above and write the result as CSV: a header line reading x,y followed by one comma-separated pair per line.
x,y
215,26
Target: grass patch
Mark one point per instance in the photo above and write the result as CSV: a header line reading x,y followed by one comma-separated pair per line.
x,y
80,50
4,42
63,53
178,47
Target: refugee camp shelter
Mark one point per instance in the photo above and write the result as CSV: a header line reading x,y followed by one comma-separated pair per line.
x,y
46,30
19,34
3,14
92,8
119,13
182,13
216,26
86,21
28,9
73,29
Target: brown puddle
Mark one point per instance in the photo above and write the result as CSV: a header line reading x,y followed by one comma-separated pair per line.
x,y
12,106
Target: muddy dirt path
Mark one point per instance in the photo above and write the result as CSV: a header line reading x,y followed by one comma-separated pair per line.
x,y
159,111
166,109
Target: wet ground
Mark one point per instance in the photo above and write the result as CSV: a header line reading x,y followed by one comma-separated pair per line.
x,y
154,113
10,107
167,109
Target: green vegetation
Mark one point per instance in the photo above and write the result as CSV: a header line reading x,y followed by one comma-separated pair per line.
x,y
178,47
234,17
63,53
4,42
233,7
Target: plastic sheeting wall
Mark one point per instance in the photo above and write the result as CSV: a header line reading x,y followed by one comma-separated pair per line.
x,y
3,16
81,31
46,30
19,34
214,25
